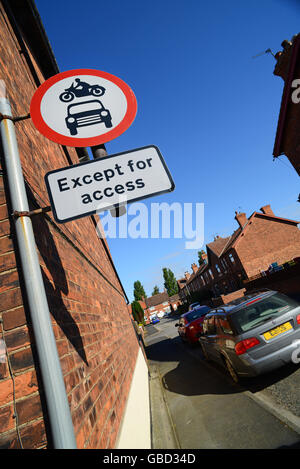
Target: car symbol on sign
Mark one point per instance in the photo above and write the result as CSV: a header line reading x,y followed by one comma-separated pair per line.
x,y
87,113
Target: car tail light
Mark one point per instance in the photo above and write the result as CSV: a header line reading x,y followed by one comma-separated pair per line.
x,y
244,345
298,319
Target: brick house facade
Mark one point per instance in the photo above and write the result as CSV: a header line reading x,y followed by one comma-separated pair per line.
x,y
259,240
161,303
287,140
97,344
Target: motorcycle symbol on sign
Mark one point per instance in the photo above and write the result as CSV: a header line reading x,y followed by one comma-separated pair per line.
x,y
81,88
84,113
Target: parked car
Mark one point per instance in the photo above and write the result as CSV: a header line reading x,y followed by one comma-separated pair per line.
x,y
190,324
154,319
193,305
252,335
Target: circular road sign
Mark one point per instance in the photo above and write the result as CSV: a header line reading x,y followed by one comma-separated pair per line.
x,y
83,108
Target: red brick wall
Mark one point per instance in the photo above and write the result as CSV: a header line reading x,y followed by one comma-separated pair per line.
x,y
225,299
267,241
286,281
95,338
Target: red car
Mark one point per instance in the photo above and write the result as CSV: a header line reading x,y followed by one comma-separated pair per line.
x,y
190,324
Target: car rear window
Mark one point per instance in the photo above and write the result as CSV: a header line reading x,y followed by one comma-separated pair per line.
x,y
258,311
197,313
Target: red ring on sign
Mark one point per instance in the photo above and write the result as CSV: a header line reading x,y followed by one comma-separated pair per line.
x,y
43,128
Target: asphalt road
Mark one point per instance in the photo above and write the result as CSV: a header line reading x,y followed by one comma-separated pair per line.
x,y
205,409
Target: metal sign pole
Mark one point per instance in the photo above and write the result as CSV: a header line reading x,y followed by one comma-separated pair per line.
x,y
100,152
56,398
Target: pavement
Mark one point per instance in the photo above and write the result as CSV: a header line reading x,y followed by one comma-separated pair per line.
x,y
279,397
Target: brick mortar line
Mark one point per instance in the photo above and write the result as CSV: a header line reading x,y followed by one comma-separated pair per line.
x,y
11,309
24,425
8,332
11,289
21,349
20,399
8,271
7,252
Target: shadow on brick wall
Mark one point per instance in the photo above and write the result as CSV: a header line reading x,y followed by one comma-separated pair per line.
x,y
55,282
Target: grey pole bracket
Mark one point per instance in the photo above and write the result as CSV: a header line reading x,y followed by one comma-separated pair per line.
x,y
14,119
31,213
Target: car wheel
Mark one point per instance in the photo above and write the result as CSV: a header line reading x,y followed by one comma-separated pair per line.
x,y
232,373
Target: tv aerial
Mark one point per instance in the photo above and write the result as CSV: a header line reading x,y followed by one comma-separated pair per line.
x,y
268,51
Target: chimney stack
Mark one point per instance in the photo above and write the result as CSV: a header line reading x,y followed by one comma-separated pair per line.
x,y
187,275
241,219
266,209
194,267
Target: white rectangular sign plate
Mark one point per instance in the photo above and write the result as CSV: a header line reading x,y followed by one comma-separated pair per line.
x,y
105,183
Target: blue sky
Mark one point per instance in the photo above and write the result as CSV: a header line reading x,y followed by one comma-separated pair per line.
x,y
209,106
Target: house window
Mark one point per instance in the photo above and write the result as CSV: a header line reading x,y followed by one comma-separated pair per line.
x,y
202,278
224,265
218,269
211,274
165,303
231,258
151,308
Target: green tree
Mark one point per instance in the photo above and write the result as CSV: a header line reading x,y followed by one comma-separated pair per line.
x,y
170,282
137,312
138,292
155,290
201,257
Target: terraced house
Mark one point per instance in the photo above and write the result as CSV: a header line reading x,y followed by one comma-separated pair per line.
x,y
260,240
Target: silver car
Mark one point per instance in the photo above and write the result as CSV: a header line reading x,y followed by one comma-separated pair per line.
x,y
254,334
